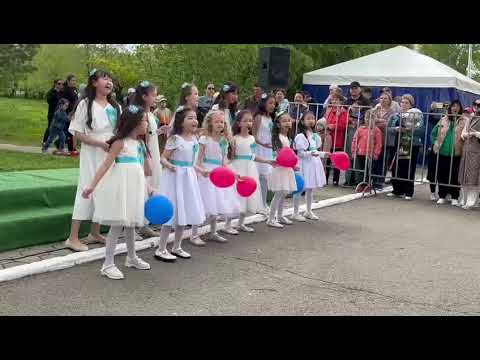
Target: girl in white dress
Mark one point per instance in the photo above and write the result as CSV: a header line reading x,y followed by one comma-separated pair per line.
x,y
307,144
262,130
214,147
180,183
243,163
282,179
93,124
119,189
145,95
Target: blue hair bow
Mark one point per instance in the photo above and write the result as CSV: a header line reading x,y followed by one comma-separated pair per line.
x,y
92,72
133,109
145,83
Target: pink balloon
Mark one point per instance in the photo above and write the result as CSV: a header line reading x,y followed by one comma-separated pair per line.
x,y
340,160
286,157
222,177
246,186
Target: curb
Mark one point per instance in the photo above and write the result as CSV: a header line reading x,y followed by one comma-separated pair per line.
x,y
67,261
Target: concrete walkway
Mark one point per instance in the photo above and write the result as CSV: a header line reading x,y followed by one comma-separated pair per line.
x,y
24,149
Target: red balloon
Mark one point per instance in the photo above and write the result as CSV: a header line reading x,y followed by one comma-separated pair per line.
x,y
222,177
286,157
246,186
340,160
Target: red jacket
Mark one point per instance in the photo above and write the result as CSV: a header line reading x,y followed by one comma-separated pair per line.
x,y
360,142
337,126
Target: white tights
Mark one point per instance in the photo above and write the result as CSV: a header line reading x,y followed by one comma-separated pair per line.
x,y
165,233
264,189
470,197
308,199
241,220
112,238
276,207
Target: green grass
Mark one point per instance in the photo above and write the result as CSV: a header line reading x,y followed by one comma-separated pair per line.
x,y
16,161
22,121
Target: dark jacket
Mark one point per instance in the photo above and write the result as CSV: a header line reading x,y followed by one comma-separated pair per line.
x,y
53,96
60,119
71,94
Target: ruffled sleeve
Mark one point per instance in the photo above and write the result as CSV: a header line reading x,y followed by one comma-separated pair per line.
x,y
202,140
173,142
301,145
79,121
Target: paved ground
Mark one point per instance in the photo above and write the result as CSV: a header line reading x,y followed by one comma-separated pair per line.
x,y
373,256
25,149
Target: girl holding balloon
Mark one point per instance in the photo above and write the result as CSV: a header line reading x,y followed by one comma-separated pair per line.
x,y
307,143
120,190
180,183
282,179
214,148
243,163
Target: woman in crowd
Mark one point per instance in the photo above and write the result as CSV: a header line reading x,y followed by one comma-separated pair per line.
x,y
408,128
337,119
281,100
227,101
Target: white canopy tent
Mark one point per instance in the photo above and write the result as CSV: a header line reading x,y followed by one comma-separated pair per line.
x,y
395,67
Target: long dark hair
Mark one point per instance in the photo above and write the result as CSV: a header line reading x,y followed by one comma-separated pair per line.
x,y
449,110
179,118
144,88
238,118
185,90
302,129
91,93
221,99
262,106
276,130
131,117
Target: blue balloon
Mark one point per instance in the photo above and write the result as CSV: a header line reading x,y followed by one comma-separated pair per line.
x,y
158,210
300,183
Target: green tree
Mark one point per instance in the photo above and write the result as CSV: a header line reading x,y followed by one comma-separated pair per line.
x,y
15,63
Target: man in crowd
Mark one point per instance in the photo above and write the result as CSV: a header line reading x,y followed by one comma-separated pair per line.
x,y
206,102
71,94
252,102
53,96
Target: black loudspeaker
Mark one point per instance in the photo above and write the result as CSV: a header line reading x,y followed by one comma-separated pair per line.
x,y
274,68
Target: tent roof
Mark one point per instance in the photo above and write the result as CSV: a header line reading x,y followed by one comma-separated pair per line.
x,y
398,66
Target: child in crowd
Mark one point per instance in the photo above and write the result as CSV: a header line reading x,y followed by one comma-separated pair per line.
x,y
120,198
214,147
326,137
282,179
57,127
243,163
180,183
367,146
307,143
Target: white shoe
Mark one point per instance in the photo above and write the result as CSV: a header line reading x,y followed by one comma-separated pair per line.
x,y
197,241
181,253
217,238
112,272
298,217
391,194
433,197
246,228
137,263
455,202
408,198
274,224
285,221
466,207
441,201
230,230
310,215
164,256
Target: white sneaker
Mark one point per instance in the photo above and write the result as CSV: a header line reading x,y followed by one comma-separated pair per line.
x,y
408,198
112,272
164,256
181,253
310,215
285,221
441,201
137,263
466,207
455,202
298,217
217,238
391,194
433,197
246,228
274,224
197,241
230,230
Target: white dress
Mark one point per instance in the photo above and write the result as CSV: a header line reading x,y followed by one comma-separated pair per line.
x,y
282,178
217,201
152,143
120,196
91,157
181,187
265,136
311,167
244,165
